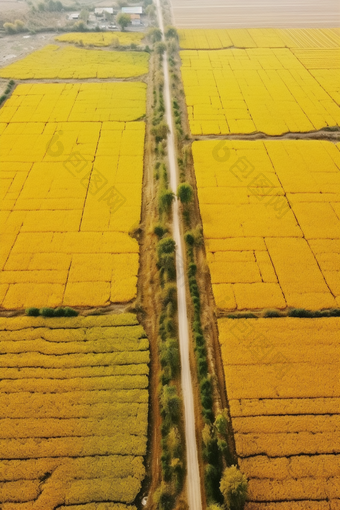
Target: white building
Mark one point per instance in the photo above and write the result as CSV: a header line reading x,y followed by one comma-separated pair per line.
x,y
132,10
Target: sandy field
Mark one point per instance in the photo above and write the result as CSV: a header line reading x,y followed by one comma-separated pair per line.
x,y
256,13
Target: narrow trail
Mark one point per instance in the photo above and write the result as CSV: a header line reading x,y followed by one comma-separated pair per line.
x,y
193,474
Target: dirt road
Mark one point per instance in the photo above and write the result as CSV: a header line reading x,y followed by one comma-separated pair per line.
x,y
193,475
256,13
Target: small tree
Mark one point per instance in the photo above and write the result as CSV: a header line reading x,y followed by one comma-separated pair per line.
x,y
160,132
185,192
84,15
171,402
123,20
166,245
166,197
171,33
154,35
150,11
234,487
160,48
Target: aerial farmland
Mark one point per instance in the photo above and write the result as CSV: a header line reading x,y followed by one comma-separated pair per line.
x,y
169,255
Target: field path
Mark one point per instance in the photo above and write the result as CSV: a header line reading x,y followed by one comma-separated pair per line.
x,y
193,475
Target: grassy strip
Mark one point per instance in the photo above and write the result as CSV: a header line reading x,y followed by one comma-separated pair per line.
x,y
171,407
293,312
51,312
8,91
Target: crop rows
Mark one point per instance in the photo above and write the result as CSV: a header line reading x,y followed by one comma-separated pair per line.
x,y
72,438
102,38
268,90
68,62
271,225
279,244
71,193
283,389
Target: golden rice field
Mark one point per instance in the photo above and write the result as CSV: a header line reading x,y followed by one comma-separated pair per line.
x,y
68,62
102,38
271,222
282,380
74,412
215,39
70,193
267,90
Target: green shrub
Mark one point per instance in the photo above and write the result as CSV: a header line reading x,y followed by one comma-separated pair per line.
x,y
202,367
165,376
154,35
185,192
221,422
197,327
199,339
192,269
271,313
159,230
160,132
160,48
300,312
171,402
189,239
171,33
32,312
166,245
212,479
59,312
47,312
169,294
70,312
166,197
334,312
234,487
223,446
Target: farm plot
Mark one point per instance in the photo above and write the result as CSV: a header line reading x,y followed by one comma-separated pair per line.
x,y
103,38
71,193
210,39
282,380
267,90
68,62
74,412
271,222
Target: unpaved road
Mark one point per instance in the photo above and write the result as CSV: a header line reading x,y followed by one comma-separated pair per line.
x,y
193,475
256,13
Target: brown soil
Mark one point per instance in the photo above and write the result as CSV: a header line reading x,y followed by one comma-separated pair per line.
x,y
148,290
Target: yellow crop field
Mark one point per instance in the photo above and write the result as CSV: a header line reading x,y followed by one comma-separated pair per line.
x,y
285,418
73,412
102,38
197,39
265,90
271,222
66,62
70,194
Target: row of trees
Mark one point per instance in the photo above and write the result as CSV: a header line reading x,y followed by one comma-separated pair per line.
x,y
225,485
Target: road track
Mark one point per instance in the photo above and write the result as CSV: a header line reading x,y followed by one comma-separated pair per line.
x,y
193,474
